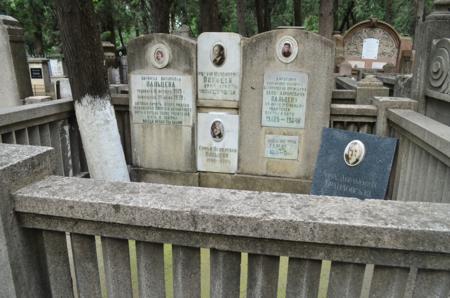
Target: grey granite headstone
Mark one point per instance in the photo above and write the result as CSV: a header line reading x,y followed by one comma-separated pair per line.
x,y
352,164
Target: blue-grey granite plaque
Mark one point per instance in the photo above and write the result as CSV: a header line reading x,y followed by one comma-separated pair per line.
x,y
352,164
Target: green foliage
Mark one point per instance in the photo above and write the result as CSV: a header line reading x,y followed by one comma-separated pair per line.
x,y
129,18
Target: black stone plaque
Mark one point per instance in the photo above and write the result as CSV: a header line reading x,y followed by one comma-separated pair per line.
x,y
36,73
352,164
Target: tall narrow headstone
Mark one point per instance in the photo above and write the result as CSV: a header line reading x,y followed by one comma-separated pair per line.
x,y
162,70
14,77
285,102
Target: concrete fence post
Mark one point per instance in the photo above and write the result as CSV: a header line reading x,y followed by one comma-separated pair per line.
x,y
369,87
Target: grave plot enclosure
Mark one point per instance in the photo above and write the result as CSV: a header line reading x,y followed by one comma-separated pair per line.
x,y
162,71
285,102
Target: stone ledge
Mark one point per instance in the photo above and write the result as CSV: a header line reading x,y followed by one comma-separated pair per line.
x,y
431,132
325,220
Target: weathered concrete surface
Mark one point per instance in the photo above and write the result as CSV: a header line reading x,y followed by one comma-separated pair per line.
x,y
369,87
164,177
20,269
260,61
322,220
385,103
14,77
163,146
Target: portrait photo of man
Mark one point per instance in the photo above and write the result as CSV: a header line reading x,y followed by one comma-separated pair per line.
x,y
287,50
354,153
217,131
218,55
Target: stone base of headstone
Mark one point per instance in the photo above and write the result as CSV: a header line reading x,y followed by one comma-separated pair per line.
x,y
164,177
36,99
222,180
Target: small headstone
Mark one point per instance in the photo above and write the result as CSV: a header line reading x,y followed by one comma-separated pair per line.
x,y
65,90
217,149
162,71
353,164
219,66
36,99
345,69
285,100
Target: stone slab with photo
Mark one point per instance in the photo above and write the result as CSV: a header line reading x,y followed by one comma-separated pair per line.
x,y
352,164
219,66
287,79
162,70
217,149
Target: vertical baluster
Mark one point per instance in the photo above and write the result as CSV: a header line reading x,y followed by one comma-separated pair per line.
x,y
303,278
262,276
225,273
33,135
55,138
65,148
346,280
186,271
58,268
22,137
75,146
432,283
9,138
388,282
86,266
150,262
116,259
44,133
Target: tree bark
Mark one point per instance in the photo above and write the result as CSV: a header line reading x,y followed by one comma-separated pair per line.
x,y
389,13
160,11
83,55
298,20
209,16
419,8
110,22
145,16
241,8
263,10
326,18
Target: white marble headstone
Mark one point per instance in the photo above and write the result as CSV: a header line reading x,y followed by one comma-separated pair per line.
x,y
219,66
217,148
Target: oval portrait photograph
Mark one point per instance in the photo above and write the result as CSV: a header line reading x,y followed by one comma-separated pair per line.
x,y
218,54
354,153
287,49
217,130
159,55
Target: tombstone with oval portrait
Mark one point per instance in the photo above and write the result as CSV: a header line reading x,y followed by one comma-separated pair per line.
x,y
162,71
219,67
353,164
287,79
217,149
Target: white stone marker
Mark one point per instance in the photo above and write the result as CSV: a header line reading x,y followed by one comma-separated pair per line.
x,y
219,66
162,71
217,149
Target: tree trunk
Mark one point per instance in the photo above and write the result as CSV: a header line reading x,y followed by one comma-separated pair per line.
x,y
346,19
209,16
389,13
263,9
145,16
110,22
326,18
419,8
95,115
298,20
241,8
160,10
36,14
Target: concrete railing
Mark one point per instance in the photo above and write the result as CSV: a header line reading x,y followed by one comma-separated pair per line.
x,y
359,118
376,248
423,163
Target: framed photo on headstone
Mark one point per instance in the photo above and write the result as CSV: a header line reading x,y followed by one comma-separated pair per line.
x,y
219,66
217,138
352,164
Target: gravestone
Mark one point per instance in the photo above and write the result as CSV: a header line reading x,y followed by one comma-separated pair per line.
x,y
56,68
217,149
285,101
353,164
14,76
162,70
40,76
219,69
371,44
